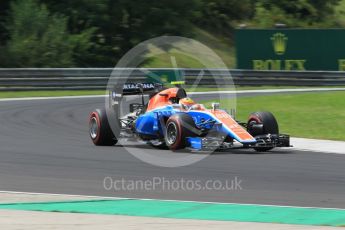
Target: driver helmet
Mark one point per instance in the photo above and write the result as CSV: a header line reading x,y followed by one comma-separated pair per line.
x,y
187,102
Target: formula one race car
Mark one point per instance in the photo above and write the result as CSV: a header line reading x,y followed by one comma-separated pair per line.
x,y
171,119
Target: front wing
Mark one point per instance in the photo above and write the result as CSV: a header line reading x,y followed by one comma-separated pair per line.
x,y
262,141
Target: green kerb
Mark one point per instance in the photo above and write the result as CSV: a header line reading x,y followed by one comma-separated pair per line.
x,y
193,210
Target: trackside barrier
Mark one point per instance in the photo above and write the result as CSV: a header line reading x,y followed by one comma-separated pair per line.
x,y
16,79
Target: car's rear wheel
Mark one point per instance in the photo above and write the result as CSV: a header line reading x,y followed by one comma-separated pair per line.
x,y
178,128
99,129
261,123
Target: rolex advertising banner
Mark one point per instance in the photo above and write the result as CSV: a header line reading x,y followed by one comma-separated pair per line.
x,y
291,49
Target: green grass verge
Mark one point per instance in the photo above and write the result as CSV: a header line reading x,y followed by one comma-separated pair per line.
x,y
310,115
205,89
283,87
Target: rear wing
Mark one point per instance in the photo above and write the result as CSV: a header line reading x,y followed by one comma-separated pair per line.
x,y
138,81
135,88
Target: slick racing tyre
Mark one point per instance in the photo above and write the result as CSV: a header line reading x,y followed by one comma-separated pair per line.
x,y
99,129
269,126
178,127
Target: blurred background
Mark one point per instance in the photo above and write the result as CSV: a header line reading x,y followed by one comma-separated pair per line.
x,y
82,40
96,33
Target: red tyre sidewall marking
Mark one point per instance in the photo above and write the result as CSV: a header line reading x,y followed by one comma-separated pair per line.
x,y
96,115
179,131
255,118
179,137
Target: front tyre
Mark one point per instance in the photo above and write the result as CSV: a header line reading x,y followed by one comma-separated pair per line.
x,y
178,128
99,129
267,124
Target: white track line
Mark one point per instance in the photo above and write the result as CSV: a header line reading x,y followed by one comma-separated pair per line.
x,y
270,91
184,201
322,146
49,98
191,93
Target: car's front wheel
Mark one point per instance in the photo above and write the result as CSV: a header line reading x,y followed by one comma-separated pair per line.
x,y
261,123
178,128
99,129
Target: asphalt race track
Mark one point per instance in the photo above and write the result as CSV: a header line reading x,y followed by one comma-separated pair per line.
x,y
45,147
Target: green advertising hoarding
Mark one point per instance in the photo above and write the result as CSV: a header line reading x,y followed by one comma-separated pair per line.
x,y
290,49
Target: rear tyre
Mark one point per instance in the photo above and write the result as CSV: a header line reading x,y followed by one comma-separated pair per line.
x,y
178,127
269,126
99,129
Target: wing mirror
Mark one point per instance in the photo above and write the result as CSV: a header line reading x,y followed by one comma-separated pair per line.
x,y
215,106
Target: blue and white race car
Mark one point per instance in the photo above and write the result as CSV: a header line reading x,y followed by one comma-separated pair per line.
x,y
171,119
